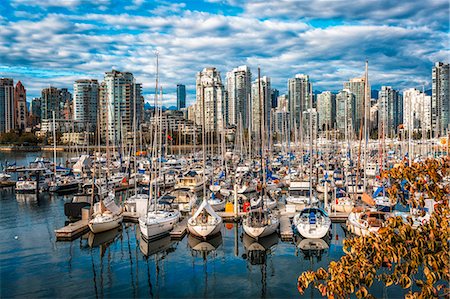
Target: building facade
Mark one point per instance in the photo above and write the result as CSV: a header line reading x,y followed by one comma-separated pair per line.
x,y
326,108
417,114
345,113
440,99
362,107
299,91
238,88
85,102
119,97
181,96
54,99
260,105
210,100
20,107
35,112
390,110
7,115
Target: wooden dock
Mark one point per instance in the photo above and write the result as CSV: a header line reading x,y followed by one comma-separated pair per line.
x,y
130,217
230,217
72,230
7,184
180,230
286,232
338,217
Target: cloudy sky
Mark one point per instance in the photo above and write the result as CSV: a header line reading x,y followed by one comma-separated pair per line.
x,y
54,42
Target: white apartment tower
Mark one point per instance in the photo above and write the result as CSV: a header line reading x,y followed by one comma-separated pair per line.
x,y
238,83
299,90
85,102
210,91
256,108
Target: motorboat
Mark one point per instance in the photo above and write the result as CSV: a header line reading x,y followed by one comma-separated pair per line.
x,y
300,195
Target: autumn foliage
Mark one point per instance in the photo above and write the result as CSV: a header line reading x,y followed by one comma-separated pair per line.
x,y
414,258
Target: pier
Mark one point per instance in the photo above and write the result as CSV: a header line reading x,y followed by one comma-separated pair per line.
x,y
286,232
72,230
180,230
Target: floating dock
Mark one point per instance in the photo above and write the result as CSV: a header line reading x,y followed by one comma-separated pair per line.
x,y
7,184
338,217
230,217
72,230
286,232
130,217
180,230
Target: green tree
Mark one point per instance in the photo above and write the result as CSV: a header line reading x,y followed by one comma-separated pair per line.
x,y
399,254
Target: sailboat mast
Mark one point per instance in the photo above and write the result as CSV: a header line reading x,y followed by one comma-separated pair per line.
x,y
366,116
261,129
203,135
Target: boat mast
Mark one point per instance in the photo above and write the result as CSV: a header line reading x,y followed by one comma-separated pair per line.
x,y
54,144
366,116
202,94
310,145
261,130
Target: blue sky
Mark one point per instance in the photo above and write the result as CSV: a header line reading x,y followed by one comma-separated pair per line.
x,y
55,42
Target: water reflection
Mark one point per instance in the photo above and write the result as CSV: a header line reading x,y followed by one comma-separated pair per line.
x,y
204,247
103,240
313,248
256,252
160,247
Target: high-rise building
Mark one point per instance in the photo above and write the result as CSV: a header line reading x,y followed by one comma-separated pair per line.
x,y
356,86
35,112
390,110
181,96
265,100
85,102
54,99
7,119
210,95
120,96
20,106
299,90
238,94
345,112
275,94
326,107
281,117
440,99
416,110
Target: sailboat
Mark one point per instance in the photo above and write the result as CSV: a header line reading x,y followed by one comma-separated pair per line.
x,y
260,221
158,222
107,218
312,222
205,222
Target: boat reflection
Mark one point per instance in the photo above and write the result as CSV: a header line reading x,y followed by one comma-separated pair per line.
x,y
162,246
313,248
256,251
205,247
103,240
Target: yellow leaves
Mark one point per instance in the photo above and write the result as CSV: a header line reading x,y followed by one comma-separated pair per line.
x,y
362,293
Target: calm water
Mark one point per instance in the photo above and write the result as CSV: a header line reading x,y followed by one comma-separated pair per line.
x,y
120,264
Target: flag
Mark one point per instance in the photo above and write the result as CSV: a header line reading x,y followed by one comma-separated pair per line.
x,y
169,137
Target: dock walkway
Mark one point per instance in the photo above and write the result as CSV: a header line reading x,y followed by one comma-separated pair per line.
x,y
180,230
72,230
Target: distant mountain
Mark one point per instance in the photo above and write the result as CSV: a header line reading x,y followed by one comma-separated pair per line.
x,y
148,106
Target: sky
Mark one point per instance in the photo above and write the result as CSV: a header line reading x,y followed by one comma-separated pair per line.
x,y
55,42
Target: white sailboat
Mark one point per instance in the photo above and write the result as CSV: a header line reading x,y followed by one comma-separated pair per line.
x,y
261,222
104,220
312,223
205,222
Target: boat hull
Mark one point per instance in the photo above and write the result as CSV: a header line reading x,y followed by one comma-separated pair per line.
x,y
98,227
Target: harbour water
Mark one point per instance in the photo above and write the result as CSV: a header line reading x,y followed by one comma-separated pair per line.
x,y
120,264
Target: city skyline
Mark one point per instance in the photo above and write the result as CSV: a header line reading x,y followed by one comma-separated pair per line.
x,y
46,44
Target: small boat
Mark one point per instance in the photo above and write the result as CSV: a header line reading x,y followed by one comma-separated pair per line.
x,y
362,222
321,186
299,195
158,223
64,184
205,222
312,223
269,202
107,218
260,223
217,202
342,203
